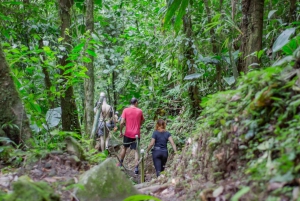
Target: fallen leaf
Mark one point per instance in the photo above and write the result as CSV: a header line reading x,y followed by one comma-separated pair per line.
x,y
235,98
275,185
295,193
217,192
50,179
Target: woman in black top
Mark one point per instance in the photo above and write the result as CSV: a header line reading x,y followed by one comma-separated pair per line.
x,y
160,138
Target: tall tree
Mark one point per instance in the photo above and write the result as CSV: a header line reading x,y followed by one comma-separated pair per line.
x,y
252,28
13,119
89,83
293,9
69,115
189,68
213,40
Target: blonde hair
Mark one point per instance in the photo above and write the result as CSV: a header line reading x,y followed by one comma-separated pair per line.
x,y
160,125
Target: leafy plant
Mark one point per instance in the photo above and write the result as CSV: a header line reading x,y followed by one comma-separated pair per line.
x,y
141,198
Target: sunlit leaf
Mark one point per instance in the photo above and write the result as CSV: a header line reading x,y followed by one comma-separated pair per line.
x,y
283,61
240,193
91,52
271,13
193,76
229,80
53,117
141,197
283,39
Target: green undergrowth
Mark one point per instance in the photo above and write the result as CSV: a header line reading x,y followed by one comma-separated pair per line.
x,y
250,134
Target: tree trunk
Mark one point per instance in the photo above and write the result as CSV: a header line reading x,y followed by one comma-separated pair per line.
x,y
90,82
215,48
114,76
69,114
293,13
11,109
189,55
47,80
252,28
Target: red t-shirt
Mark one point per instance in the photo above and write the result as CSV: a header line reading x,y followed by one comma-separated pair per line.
x,y
133,117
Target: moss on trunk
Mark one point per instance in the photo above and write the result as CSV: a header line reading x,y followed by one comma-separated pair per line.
x,y
13,119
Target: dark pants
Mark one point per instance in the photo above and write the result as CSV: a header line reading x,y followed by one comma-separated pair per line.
x,y
130,142
159,159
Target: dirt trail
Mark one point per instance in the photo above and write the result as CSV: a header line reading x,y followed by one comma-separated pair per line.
x,y
61,171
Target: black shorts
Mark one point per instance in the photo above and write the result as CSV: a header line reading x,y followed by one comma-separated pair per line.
x,y
130,142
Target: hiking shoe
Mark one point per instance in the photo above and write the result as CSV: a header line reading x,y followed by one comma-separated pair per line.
x,y
136,171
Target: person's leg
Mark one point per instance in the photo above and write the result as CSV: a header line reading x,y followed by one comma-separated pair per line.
x,y
102,143
100,134
124,149
106,139
136,155
123,152
156,162
164,159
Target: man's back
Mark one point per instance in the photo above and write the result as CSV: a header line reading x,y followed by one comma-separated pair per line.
x,y
133,117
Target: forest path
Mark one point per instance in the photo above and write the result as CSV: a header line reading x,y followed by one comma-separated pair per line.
x,y
61,171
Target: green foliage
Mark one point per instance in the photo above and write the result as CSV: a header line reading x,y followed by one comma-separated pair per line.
x,y
26,189
240,193
141,198
93,155
137,54
176,9
255,124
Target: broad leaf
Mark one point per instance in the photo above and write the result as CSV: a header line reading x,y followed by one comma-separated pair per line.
x,y
271,13
141,197
240,193
193,76
229,80
283,61
180,15
283,39
173,6
53,117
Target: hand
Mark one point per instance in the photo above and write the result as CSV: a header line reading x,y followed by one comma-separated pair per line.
x,y
146,154
98,105
121,135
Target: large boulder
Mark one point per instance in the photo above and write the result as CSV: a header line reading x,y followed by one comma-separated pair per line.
x,y
104,182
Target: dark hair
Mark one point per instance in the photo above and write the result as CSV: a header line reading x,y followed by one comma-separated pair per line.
x,y
160,125
133,101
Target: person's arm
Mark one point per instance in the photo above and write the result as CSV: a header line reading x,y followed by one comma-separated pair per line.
x,y
172,143
143,119
151,145
114,118
121,126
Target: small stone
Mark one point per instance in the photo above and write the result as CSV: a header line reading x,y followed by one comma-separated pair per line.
x,y
4,181
48,165
21,171
36,173
52,173
16,178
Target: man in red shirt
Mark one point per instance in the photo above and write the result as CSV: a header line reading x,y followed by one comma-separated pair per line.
x,y
133,118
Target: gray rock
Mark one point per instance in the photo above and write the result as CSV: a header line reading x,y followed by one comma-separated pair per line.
x,y
36,173
104,182
5,181
52,173
48,165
